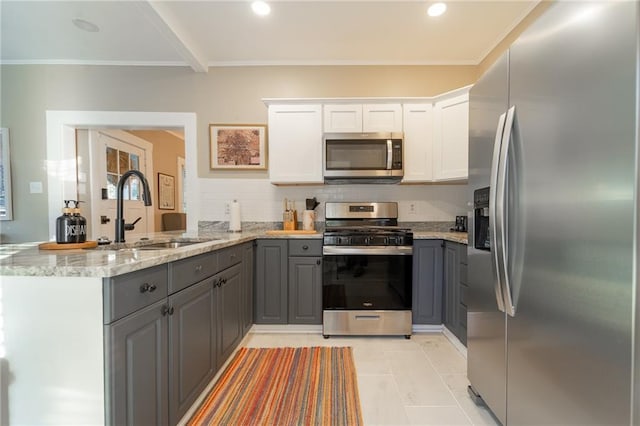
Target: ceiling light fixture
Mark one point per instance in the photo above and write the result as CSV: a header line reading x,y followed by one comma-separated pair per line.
x,y
85,25
260,8
437,9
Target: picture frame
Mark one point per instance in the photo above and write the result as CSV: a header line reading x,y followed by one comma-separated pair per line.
x,y
166,192
238,146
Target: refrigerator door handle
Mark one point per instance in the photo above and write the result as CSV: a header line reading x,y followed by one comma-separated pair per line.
x,y
495,255
501,212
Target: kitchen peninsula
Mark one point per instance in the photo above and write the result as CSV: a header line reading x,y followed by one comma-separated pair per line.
x,y
66,315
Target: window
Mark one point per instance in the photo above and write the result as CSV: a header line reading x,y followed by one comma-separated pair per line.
x,y
118,162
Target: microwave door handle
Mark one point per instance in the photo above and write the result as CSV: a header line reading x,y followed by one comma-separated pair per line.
x,y
501,207
389,154
493,190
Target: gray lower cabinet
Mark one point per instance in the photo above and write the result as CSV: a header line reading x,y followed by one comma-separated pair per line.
x,y
229,293
455,318
271,284
192,335
427,282
305,290
248,267
137,368
168,329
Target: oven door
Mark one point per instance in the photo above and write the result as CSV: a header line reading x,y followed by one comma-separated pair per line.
x,y
367,278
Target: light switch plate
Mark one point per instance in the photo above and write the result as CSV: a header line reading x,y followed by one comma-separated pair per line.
x,y
35,187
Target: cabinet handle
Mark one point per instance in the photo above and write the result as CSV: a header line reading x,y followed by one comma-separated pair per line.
x,y
199,269
146,287
171,310
152,288
318,262
305,247
164,310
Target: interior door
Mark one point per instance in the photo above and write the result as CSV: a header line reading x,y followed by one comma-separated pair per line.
x,y
117,155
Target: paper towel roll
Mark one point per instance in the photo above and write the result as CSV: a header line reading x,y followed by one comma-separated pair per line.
x,y
234,220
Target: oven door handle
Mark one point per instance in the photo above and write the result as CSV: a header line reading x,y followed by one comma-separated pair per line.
x,y
367,250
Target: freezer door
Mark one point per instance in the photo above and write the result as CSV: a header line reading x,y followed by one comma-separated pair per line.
x,y
486,363
573,82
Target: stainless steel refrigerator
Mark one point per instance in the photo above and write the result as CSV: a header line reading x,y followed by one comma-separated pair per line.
x,y
553,142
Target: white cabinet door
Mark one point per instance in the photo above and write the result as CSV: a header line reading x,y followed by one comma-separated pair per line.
x,y
451,138
341,118
382,118
295,143
418,142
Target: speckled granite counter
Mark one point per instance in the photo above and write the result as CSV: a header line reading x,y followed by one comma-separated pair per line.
x,y
27,260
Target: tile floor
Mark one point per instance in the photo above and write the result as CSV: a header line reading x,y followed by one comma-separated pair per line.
x,y
421,381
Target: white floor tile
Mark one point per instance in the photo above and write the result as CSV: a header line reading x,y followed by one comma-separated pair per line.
x,y
437,416
380,400
417,381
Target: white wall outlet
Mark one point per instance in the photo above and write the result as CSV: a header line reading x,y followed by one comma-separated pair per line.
x,y
412,208
227,209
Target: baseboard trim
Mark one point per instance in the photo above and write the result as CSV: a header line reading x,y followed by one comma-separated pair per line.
x,y
455,341
427,328
286,328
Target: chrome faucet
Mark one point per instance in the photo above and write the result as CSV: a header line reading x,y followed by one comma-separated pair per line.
x,y
146,197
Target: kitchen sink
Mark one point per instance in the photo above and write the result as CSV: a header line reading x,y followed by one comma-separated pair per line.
x,y
168,245
156,245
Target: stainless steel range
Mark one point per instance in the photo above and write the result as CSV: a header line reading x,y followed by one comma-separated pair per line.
x,y
367,271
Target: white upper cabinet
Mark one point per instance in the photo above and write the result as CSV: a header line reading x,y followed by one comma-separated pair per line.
x,y
356,118
295,143
342,118
381,118
451,138
418,142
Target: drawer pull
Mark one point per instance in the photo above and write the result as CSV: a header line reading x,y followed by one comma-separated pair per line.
x,y
146,287
318,262
305,247
167,310
198,269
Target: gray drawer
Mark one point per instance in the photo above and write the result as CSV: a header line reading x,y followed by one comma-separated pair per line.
x,y
305,247
125,294
189,271
228,257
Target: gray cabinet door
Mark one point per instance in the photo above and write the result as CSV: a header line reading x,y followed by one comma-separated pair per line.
x,y
229,296
247,287
451,279
192,336
427,282
305,290
271,282
137,368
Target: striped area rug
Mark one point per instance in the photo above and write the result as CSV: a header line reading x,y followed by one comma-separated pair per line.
x,y
285,386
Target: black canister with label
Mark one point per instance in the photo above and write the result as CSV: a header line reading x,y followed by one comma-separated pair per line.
x,y
65,226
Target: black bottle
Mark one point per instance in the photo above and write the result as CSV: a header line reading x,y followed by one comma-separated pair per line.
x,y
65,229
80,222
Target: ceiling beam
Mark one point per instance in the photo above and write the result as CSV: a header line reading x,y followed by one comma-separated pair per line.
x,y
179,38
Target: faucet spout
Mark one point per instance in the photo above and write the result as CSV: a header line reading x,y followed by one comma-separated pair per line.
x,y
146,197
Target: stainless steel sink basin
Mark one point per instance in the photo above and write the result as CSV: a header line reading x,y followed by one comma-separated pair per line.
x,y
157,245
167,245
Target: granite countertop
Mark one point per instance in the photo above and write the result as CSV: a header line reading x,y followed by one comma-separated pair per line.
x,y
27,259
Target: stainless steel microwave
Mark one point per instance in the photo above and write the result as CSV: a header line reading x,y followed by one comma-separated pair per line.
x,y
363,157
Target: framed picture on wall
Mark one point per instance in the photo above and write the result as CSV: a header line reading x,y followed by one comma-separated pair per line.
x,y
166,192
238,146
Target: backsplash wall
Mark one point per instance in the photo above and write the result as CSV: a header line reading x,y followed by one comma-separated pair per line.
x,y
260,201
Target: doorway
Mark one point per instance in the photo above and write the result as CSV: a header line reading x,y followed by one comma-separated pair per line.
x,y
62,155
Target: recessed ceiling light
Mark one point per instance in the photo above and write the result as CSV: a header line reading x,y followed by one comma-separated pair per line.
x,y
260,8
85,25
437,9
